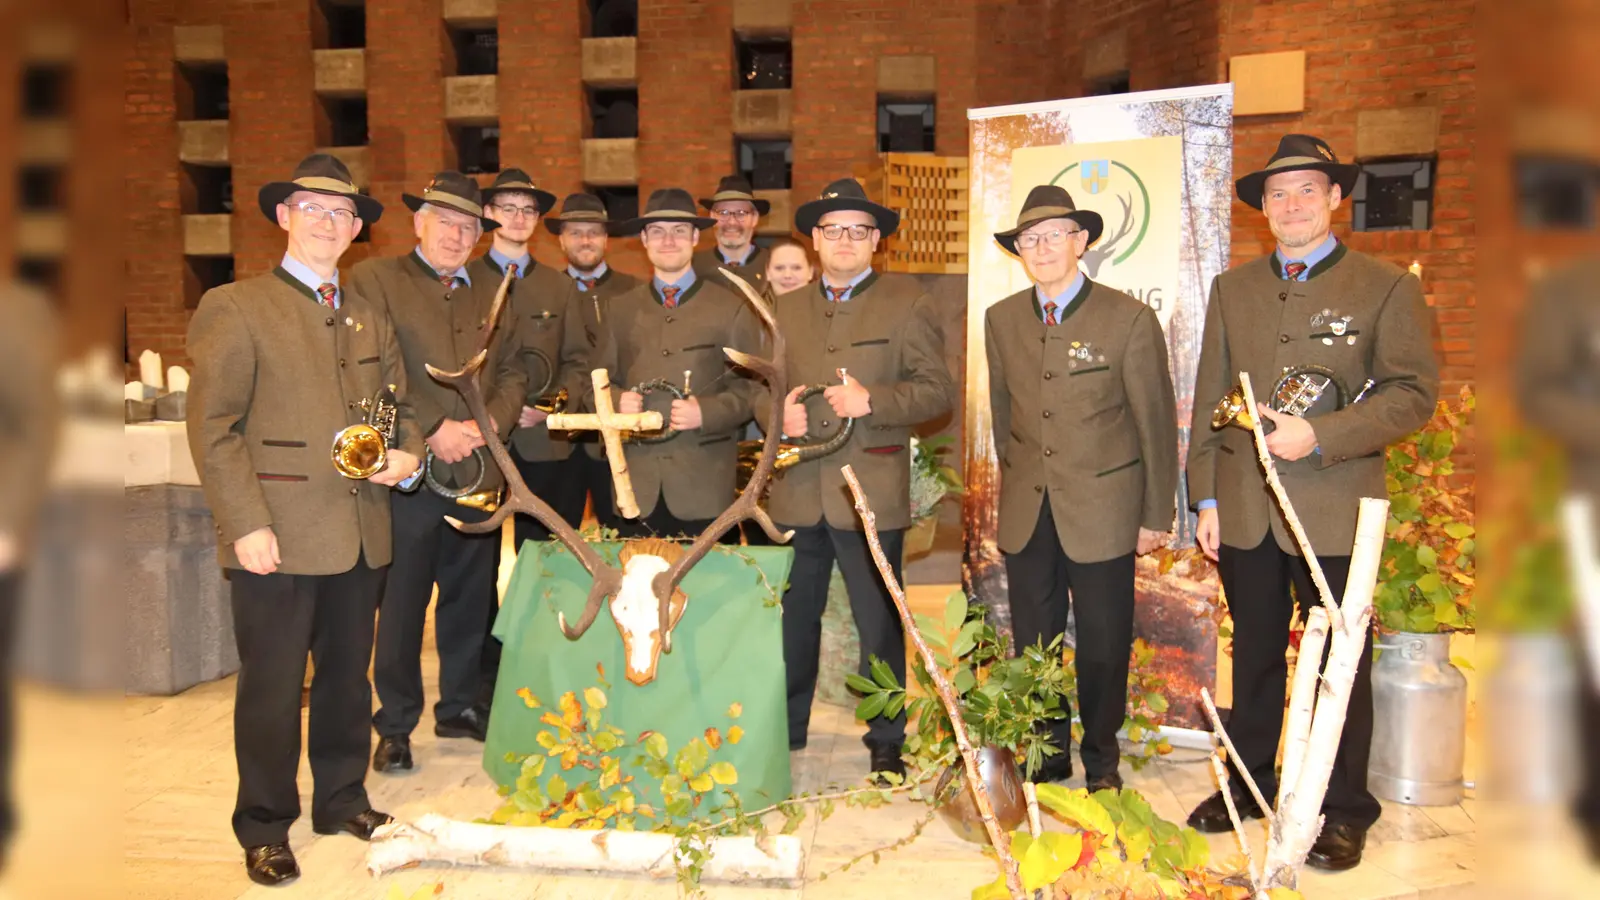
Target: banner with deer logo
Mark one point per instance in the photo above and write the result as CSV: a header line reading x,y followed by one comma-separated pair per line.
x,y
1158,167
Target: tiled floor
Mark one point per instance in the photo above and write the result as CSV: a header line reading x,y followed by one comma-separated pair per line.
x,y
180,780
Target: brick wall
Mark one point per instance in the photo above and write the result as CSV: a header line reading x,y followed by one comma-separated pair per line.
x,y
153,285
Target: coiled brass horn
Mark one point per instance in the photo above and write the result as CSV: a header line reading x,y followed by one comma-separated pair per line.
x,y
794,454
361,451
650,387
1298,390
541,398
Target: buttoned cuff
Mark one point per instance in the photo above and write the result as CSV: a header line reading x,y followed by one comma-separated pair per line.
x,y
1206,504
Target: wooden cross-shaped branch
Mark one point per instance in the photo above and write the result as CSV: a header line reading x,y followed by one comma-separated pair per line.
x,y
612,425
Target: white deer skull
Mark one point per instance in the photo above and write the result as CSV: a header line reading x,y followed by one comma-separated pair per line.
x,y
637,611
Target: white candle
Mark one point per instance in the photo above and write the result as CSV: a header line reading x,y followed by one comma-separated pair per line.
x,y
133,390
1416,269
177,379
150,368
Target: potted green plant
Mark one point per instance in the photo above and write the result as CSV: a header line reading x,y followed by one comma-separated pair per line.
x,y
1424,593
932,480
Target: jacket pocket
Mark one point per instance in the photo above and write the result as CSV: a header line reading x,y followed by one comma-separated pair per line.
x,y
872,343
366,361
1226,449
274,476
1127,465
269,442
1089,371
716,440
699,347
884,450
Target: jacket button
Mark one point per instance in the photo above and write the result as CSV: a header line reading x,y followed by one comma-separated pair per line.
x,y
666,353
1283,296
1039,488
329,320
669,318
1048,452
1047,376
1283,339
353,492
341,363
1047,414
826,423
832,349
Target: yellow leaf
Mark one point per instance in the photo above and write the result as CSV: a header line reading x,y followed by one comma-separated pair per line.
x,y
702,783
723,773
552,719
571,712
569,758
736,710
528,698
735,734
714,738
1283,893
546,740
595,697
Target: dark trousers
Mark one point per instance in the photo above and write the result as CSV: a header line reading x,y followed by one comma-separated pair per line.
x,y
663,524
10,597
1587,805
1041,580
1257,583
277,620
596,474
429,549
816,548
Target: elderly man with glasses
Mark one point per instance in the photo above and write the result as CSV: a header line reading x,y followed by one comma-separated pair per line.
x,y
1085,429
439,310
875,339
737,211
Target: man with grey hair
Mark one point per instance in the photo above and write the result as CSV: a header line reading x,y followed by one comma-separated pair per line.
x,y
439,311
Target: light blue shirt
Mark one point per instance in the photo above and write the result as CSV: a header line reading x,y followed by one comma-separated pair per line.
x,y
1063,300
1320,253
749,251
683,284
852,285
599,272
461,272
524,262
303,274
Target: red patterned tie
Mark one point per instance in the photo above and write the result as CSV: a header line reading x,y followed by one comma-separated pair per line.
x,y
513,268
1050,313
586,283
1294,269
837,292
329,295
449,282
669,296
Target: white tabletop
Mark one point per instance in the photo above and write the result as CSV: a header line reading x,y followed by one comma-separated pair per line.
x,y
157,453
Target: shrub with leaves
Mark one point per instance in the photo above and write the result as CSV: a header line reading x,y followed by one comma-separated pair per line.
x,y
931,478
1425,582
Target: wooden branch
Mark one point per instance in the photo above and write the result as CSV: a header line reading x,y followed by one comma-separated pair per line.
x,y
1222,735
1295,528
627,504
649,420
1031,794
777,860
1302,699
947,694
1233,816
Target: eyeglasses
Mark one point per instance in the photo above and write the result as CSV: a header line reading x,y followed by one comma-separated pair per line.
x,y
316,212
735,214
856,232
1053,238
512,212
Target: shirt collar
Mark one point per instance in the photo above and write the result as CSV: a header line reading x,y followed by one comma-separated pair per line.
x,y
1321,252
683,284
500,259
304,274
598,273
460,273
1063,299
749,251
851,284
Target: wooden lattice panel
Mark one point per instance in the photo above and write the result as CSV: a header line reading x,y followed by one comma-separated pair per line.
x,y
931,195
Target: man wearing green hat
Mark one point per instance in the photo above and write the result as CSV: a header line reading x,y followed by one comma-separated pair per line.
x,y
282,362
439,311
1312,301
875,340
737,211
583,228
1086,432
673,328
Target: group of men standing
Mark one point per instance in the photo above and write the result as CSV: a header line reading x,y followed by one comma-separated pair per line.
x,y
1085,429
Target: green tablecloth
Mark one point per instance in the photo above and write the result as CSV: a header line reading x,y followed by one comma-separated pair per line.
x,y
727,649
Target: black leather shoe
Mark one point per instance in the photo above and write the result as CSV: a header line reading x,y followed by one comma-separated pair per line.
x,y
393,754
886,760
1108,782
1211,816
1337,848
1054,768
362,824
472,722
271,864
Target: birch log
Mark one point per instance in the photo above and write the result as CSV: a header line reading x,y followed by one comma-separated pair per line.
x,y
775,861
1302,699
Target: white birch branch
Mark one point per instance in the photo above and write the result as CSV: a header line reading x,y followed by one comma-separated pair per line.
x,y
1238,826
1302,699
1222,735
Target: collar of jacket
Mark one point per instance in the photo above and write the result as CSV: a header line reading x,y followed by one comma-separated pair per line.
x,y
1328,262
297,284
1073,305
682,298
861,287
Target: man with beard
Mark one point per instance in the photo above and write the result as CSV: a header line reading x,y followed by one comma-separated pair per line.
x,y
737,211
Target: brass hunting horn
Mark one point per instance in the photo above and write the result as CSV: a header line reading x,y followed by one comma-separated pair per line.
x,y
362,450
665,386
794,454
1298,390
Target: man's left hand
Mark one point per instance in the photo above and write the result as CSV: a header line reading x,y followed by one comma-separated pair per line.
x,y
1150,541
685,415
477,433
1292,439
400,466
849,400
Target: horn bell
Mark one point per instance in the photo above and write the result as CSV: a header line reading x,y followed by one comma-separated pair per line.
x,y
1231,411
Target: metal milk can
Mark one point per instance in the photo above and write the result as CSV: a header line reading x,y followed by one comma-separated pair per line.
x,y
1419,729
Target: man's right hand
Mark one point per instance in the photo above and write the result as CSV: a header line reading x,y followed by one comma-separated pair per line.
x,y
453,442
630,403
794,415
258,551
1208,533
531,417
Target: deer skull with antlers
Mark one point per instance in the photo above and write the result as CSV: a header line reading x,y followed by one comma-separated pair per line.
x,y
646,602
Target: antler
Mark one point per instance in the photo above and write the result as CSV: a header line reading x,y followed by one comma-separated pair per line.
x,y
1127,222
748,506
607,578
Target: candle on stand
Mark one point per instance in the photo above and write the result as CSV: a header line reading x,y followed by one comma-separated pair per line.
x,y
1416,269
150,368
177,379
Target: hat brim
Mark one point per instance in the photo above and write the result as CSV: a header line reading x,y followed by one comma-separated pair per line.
x,y
545,200
635,226
276,192
554,223
762,206
414,203
1091,221
809,214
1251,188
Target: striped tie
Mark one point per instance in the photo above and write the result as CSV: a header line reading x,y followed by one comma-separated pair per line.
x,y
1294,270
513,268
1050,313
586,283
837,292
328,295
449,282
669,296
